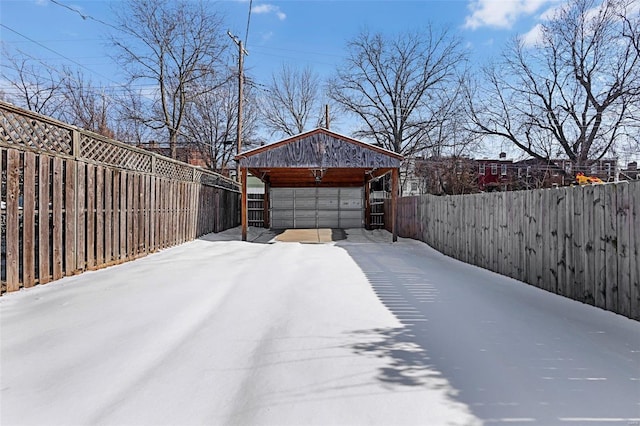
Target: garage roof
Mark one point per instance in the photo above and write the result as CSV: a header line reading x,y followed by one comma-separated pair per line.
x,y
318,157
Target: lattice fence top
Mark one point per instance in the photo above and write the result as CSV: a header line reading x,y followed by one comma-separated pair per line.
x,y
24,129
173,170
104,152
33,132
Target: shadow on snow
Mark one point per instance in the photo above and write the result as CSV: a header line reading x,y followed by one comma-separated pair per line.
x,y
510,352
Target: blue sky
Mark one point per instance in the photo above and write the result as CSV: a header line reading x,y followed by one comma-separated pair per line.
x,y
298,32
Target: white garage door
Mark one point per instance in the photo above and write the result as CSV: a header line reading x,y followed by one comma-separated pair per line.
x,y
317,207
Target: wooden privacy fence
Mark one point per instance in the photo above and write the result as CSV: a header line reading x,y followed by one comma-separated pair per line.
x,y
72,200
579,242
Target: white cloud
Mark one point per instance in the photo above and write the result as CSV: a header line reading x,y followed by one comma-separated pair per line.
x,y
533,37
269,8
500,13
551,12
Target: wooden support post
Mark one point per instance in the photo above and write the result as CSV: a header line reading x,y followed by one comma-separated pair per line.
x,y
394,203
265,215
244,204
367,204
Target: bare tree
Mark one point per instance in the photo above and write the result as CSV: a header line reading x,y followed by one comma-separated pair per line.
x,y
175,46
292,100
33,84
449,175
397,86
130,121
211,124
85,105
573,93
631,31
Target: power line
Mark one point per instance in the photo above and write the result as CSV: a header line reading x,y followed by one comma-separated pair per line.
x,y
83,16
246,36
57,53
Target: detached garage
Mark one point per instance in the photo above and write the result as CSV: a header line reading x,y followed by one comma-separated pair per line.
x,y
318,179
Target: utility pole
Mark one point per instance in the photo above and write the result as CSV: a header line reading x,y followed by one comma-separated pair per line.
x,y
326,116
241,52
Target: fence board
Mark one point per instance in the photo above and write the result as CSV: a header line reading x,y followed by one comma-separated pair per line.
x,y
192,211
532,258
162,214
541,215
28,220
57,203
496,243
130,213
623,232
174,236
171,216
513,227
152,214
503,237
159,214
579,245
13,227
135,215
142,205
177,216
522,220
589,247
467,233
178,212
91,216
115,232
70,218
145,220
100,190
600,246
510,225
547,212
167,215
123,215
108,216
610,281
81,197
551,242
484,231
44,275
566,275
185,212
146,197
634,245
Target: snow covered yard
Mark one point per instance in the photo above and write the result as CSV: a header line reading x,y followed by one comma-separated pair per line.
x,y
361,331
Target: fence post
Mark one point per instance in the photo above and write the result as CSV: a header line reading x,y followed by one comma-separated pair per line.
x,y
75,144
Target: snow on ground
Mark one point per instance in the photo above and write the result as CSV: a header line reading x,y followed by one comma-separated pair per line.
x,y
360,331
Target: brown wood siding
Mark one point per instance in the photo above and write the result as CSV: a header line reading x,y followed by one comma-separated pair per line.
x,y
320,150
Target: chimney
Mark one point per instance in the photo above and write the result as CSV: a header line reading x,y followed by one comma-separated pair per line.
x,y
632,166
